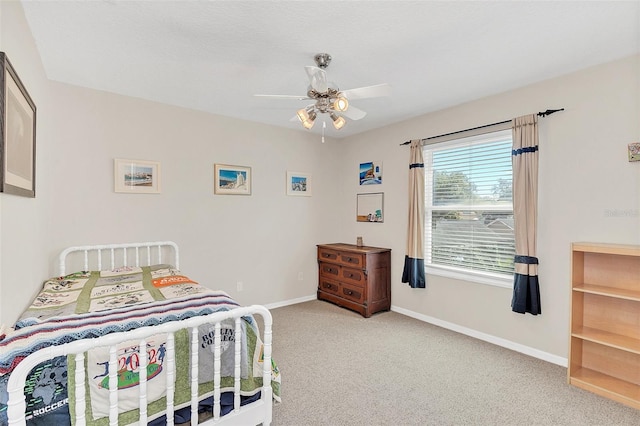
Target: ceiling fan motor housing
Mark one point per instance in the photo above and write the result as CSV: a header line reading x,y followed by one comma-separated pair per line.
x,y
324,100
322,60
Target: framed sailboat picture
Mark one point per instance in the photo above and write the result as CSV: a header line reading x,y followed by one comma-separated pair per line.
x,y
232,180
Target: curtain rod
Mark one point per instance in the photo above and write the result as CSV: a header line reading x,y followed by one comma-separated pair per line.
x,y
540,114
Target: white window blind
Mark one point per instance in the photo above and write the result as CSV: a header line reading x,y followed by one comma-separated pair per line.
x,y
468,204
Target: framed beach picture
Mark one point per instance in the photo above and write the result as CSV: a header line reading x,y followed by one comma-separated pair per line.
x,y
298,184
232,180
136,176
370,173
17,134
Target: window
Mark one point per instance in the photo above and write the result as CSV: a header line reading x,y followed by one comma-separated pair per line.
x,y
469,208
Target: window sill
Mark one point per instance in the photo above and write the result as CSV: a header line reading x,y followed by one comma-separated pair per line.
x,y
497,280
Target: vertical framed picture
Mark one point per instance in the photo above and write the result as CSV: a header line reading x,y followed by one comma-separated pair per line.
x,y
299,184
17,134
370,173
136,176
231,180
634,151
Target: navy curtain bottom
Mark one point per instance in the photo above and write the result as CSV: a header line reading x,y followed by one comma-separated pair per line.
x,y
413,272
526,294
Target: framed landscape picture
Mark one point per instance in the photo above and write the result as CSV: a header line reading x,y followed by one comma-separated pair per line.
x,y
299,184
232,180
136,176
17,134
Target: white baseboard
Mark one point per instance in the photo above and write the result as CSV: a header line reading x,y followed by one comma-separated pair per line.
x,y
545,356
290,302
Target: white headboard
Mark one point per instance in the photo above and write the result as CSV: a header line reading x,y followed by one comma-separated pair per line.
x,y
117,255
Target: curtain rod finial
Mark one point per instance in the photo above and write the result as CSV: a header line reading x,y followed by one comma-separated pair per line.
x,y
549,112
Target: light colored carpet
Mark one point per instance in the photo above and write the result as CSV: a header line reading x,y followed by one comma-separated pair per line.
x,y
339,368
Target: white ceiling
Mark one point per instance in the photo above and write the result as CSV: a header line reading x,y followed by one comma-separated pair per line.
x,y
215,55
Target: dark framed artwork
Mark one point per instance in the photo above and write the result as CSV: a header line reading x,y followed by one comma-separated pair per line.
x,y
17,134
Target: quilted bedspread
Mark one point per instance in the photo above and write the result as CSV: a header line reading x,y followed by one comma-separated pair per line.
x,y
89,304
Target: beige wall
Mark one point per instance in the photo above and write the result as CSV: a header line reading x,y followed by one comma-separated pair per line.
x,y
264,240
21,220
588,191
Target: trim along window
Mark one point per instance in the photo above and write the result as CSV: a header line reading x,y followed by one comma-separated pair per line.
x,y
469,231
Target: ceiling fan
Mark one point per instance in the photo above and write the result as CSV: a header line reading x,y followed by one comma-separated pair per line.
x,y
328,98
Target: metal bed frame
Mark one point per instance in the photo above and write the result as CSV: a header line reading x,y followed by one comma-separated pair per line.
x,y
137,254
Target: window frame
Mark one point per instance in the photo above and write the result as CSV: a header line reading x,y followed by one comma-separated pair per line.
x,y
476,276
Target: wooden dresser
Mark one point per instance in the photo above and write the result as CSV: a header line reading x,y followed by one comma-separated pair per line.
x,y
357,278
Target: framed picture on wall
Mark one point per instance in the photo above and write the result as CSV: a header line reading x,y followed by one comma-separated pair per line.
x,y
17,134
370,173
231,180
634,151
299,184
136,176
370,207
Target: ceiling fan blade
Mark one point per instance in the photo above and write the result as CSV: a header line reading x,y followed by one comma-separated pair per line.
x,y
297,97
317,78
353,113
375,91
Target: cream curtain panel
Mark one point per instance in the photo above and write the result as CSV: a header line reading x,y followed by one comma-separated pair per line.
x,y
526,287
413,272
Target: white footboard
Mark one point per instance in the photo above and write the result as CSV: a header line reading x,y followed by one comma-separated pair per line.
x,y
254,413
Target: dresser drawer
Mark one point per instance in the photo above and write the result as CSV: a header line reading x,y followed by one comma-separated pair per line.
x,y
329,269
329,286
353,276
354,260
346,258
355,294
328,254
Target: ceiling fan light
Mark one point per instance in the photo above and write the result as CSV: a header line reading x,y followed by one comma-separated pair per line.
x,y
309,120
341,103
308,124
338,122
302,114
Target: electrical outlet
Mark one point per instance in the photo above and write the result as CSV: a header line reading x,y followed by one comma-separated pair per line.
x,y
300,276
239,285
